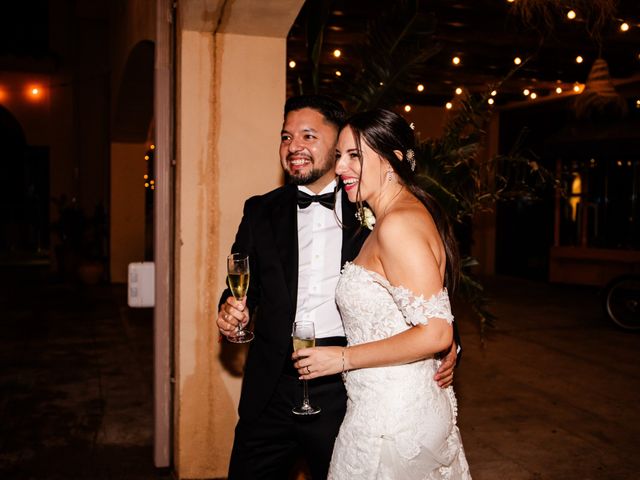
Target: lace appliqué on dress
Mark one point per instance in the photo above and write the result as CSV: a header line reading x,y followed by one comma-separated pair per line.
x,y
417,310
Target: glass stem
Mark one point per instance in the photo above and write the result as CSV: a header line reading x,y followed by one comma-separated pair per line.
x,y
305,400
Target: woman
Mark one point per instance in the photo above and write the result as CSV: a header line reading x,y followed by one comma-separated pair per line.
x,y
395,308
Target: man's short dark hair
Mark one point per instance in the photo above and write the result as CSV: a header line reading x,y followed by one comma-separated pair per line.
x,y
330,109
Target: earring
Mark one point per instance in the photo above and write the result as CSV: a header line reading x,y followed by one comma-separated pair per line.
x,y
389,175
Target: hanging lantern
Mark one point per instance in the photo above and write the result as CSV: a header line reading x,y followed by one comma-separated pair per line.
x,y
599,95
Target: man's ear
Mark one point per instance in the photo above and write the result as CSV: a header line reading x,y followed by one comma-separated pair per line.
x,y
399,154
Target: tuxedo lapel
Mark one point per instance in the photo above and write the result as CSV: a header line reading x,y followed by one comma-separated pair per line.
x,y
284,220
353,236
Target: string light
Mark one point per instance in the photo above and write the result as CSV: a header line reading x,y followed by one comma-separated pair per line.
x,y
558,90
571,14
579,59
533,95
420,88
578,88
491,101
526,92
338,73
448,105
455,60
517,60
494,93
146,157
407,108
152,147
292,64
458,91
511,1
145,176
337,53
637,103
624,27
34,92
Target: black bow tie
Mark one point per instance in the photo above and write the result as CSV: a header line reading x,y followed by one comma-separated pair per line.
x,y
326,200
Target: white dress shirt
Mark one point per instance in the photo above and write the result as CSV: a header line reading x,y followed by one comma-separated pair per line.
x,y
319,255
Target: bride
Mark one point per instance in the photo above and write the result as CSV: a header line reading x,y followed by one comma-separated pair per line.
x,y
395,307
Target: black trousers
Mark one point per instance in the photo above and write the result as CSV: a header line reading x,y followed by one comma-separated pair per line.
x,y
268,447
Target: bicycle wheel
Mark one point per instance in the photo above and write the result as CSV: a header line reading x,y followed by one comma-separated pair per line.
x,y
622,301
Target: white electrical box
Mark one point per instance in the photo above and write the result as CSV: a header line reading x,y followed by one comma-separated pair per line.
x,y
141,291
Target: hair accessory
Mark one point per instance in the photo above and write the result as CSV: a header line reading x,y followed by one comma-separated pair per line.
x,y
411,158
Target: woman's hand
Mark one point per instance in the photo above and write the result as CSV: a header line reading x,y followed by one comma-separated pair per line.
x,y
319,361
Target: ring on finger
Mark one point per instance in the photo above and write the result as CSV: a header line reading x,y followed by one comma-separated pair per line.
x,y
308,371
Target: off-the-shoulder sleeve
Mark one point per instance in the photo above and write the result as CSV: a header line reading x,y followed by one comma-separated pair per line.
x,y
418,310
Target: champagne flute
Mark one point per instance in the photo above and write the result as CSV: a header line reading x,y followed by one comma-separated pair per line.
x,y
304,337
238,275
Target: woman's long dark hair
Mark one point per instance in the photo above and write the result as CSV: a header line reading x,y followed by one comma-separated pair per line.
x,y
385,131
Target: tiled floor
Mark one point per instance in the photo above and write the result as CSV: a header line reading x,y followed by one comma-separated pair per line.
x,y
552,395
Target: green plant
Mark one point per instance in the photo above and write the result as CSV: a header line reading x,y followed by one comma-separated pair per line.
x,y
454,171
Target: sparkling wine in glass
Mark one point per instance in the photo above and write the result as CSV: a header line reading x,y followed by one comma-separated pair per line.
x,y
304,337
238,276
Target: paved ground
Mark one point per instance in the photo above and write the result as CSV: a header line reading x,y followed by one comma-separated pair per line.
x,y
552,395
555,392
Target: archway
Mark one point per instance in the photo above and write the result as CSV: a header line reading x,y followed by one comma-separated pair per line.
x,y
132,163
24,193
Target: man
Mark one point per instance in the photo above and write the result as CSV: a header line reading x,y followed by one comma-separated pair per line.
x,y
296,247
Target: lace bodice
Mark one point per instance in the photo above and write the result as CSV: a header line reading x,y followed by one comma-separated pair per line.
x,y
399,423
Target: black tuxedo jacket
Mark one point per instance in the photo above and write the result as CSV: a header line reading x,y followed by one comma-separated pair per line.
x,y
268,232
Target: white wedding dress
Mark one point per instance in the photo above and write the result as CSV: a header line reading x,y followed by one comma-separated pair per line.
x,y
399,424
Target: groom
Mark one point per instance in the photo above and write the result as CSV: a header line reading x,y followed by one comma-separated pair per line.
x,y
296,247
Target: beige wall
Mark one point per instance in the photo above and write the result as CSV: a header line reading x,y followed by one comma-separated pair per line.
x,y
231,92
127,207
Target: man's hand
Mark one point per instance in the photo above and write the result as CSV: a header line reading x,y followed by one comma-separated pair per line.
x,y
444,375
232,313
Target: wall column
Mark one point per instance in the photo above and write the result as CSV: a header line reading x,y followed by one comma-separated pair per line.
x,y
231,91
